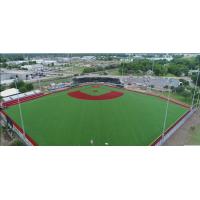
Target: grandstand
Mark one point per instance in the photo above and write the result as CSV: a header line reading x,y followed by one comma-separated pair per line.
x,y
21,97
97,79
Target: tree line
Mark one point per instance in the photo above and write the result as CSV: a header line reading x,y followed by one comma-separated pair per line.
x,y
11,66
87,70
179,66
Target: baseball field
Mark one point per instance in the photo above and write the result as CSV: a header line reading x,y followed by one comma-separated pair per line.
x,y
95,115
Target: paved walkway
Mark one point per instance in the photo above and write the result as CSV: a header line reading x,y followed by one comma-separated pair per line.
x,y
188,134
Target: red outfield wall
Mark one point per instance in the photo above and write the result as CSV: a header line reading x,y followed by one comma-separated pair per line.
x,y
19,130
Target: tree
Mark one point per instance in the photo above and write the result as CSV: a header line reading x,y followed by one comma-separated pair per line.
x,y
152,86
184,82
2,87
186,93
88,70
22,89
22,86
99,68
32,62
160,70
12,57
198,59
2,59
29,87
173,89
3,65
178,69
19,84
180,89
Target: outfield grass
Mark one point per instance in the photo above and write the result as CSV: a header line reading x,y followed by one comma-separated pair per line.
x,y
187,100
132,119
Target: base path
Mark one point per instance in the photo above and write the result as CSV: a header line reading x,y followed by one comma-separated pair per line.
x,y
84,96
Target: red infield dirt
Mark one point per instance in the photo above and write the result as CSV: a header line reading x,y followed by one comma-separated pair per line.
x,y
96,86
84,96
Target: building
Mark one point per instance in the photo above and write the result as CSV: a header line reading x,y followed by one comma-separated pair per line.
x,y
7,82
32,67
191,72
9,92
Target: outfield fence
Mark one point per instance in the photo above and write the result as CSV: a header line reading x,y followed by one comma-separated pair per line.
x,y
175,101
171,130
5,120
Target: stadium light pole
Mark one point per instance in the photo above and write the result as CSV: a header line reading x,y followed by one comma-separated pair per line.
x,y
166,114
39,81
198,99
71,65
123,69
195,90
20,111
152,67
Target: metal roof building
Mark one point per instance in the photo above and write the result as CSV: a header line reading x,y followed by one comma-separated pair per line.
x,y
9,92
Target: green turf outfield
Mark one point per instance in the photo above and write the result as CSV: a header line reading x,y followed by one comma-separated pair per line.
x,y
132,119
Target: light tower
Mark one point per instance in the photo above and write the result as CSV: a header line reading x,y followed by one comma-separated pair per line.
x,y
20,110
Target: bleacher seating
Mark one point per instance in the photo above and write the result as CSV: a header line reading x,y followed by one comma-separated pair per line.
x,y
30,93
37,91
23,97
7,99
87,79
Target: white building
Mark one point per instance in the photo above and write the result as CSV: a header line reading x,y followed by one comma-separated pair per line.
x,y
17,62
46,62
88,58
7,82
32,67
194,71
9,92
